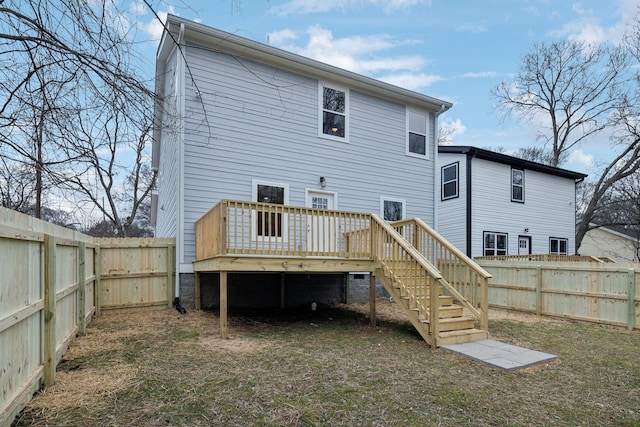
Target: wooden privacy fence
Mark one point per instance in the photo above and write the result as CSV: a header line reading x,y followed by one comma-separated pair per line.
x,y
606,293
52,280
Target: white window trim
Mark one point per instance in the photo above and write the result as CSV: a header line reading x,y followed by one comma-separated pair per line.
x,y
393,199
321,134
427,140
564,239
496,233
307,199
517,185
254,217
457,180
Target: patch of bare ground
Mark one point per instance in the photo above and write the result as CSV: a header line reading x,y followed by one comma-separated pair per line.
x,y
298,368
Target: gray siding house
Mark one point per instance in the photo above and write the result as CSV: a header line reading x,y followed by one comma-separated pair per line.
x,y
241,120
494,204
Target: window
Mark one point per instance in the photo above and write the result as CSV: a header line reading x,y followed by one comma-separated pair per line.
x,y
334,108
558,246
517,185
494,244
417,139
268,223
449,188
392,209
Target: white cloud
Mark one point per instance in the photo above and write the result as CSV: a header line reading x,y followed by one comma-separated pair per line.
x,y
472,28
480,75
587,25
360,54
280,38
450,130
154,27
304,7
411,81
581,159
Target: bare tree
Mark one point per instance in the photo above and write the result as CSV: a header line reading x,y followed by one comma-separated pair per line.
x,y
568,89
574,91
67,63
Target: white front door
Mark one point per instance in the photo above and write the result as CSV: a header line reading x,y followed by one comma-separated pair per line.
x,y
524,245
320,227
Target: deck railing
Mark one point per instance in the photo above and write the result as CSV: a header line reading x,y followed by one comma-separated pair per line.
x,y
249,228
466,281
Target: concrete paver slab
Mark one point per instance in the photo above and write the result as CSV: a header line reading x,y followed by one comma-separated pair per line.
x,y
501,355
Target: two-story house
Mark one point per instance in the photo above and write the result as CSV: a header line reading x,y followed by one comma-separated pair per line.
x,y
494,204
241,120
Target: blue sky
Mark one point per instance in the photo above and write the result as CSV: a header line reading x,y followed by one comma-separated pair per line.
x,y
456,50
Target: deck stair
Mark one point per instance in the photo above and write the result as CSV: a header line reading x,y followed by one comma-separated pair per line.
x,y
453,326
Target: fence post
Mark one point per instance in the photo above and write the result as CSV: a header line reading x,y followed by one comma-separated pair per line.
x,y
82,313
538,290
49,310
170,284
97,270
631,294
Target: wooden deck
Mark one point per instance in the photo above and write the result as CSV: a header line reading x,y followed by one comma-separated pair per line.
x,y
432,281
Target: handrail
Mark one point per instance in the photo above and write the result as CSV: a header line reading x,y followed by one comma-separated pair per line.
x,y
546,257
381,253
466,281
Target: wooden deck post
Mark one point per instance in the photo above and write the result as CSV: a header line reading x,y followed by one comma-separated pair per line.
x,y
197,292
372,299
223,305
170,285
49,310
82,312
282,290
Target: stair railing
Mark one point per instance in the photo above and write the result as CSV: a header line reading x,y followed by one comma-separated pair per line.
x,y
466,281
393,252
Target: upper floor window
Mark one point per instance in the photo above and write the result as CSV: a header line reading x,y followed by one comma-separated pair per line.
x,y
449,188
334,112
494,244
558,246
392,209
417,138
517,185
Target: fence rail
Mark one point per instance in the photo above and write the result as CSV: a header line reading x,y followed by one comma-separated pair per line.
x,y
50,287
605,293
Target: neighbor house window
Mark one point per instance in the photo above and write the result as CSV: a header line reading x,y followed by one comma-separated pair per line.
x,y
334,110
558,246
269,222
517,185
494,244
392,209
417,139
449,188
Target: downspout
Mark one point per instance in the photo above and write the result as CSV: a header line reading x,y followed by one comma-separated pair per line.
x,y
468,208
180,100
436,184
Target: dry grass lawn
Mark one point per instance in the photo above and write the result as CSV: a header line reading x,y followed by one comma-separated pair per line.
x,y
298,368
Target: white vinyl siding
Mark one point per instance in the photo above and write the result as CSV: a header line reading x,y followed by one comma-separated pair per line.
x,y
263,122
549,210
168,169
452,214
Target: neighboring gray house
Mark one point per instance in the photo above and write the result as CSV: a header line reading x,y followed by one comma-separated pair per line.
x,y
494,204
237,119
621,243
